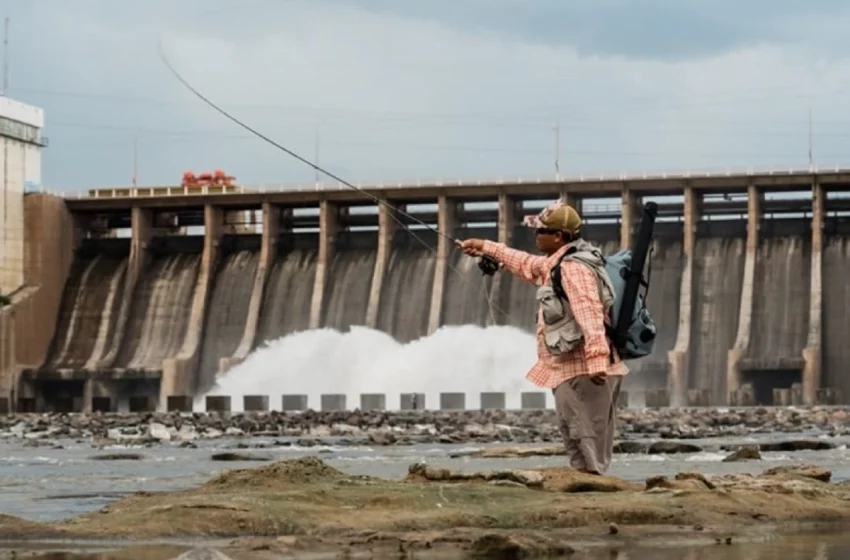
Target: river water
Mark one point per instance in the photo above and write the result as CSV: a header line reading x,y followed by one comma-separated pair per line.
x,y
44,484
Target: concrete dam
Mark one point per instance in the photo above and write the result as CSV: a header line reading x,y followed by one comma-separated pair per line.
x,y
146,297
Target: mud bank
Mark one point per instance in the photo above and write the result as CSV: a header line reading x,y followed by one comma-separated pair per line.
x,y
404,428
306,505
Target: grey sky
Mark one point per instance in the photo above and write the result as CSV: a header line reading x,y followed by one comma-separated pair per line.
x,y
403,89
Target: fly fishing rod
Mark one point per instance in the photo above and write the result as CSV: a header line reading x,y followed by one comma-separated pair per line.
x,y
286,150
487,264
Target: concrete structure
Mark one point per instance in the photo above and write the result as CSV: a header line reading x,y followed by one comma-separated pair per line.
x,y
535,400
492,400
412,401
333,402
373,401
293,403
699,397
141,403
708,212
21,143
452,401
218,403
657,398
26,326
255,403
179,403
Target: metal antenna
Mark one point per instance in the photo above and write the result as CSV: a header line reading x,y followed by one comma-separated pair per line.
x,y
810,136
558,149
5,57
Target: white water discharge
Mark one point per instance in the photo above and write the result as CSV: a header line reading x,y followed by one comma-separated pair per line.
x,y
465,359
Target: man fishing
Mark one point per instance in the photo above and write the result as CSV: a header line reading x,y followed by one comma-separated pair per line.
x,y
576,358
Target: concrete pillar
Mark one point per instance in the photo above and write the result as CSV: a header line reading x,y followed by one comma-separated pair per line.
x,y
88,395
493,401
333,402
386,231
745,313
328,227
679,357
5,405
141,223
657,398
268,252
291,403
452,401
782,397
255,403
412,401
178,373
699,397
629,217
828,396
812,358
508,217
218,403
446,219
179,403
373,401
142,403
532,400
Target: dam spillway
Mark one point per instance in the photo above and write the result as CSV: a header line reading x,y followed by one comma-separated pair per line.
x,y
732,282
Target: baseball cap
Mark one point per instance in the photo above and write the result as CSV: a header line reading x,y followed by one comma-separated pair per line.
x,y
558,215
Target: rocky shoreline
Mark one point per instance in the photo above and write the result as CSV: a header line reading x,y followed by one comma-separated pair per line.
x,y
413,427
297,506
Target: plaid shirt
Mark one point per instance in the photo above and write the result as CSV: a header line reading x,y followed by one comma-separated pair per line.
x,y
582,289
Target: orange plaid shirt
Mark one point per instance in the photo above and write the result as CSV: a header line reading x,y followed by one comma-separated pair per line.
x,y
582,289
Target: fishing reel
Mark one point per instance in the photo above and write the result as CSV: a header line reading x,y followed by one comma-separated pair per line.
x,y
488,265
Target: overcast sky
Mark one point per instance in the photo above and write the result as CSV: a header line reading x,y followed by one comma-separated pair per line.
x,y
408,89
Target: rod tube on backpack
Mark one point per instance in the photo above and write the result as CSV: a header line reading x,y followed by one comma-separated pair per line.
x,y
634,279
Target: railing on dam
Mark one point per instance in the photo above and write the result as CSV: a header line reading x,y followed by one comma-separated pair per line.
x,y
212,190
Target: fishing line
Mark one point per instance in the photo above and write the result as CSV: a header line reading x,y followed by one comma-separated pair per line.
x,y
375,199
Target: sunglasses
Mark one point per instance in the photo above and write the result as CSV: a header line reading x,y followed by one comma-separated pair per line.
x,y
546,231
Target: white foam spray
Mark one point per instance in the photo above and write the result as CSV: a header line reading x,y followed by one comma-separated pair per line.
x,y
465,359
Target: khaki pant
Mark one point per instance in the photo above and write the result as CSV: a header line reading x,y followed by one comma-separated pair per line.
x,y
587,413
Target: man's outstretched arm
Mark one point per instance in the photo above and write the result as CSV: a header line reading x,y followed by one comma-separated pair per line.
x,y
519,263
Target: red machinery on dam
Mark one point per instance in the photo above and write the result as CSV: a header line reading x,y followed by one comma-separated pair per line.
x,y
135,295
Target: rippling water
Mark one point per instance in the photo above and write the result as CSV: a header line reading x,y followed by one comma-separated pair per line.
x,y
44,484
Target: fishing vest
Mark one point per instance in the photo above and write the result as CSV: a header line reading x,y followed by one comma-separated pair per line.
x,y
561,332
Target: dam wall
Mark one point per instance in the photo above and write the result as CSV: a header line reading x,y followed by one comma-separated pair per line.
x,y
737,279
28,322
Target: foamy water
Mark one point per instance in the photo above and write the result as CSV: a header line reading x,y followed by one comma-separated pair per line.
x,y
464,359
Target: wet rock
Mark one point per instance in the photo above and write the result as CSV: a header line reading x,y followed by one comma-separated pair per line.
x,y
158,431
118,457
496,546
670,447
745,453
797,445
237,457
630,447
424,427
553,479
512,452
806,471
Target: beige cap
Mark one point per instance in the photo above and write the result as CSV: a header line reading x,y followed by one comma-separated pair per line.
x,y
558,215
